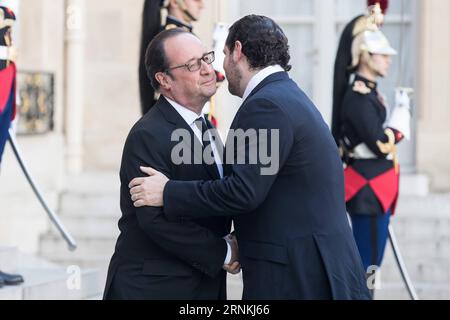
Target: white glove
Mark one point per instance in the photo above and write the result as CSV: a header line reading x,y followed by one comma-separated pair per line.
x,y
402,99
400,119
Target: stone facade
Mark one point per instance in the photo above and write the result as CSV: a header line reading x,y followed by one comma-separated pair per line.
x,y
433,149
109,100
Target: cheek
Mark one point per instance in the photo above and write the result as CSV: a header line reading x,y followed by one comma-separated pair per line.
x,y
226,64
191,82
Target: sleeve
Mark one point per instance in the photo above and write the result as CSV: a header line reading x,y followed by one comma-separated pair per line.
x,y
368,124
250,182
188,241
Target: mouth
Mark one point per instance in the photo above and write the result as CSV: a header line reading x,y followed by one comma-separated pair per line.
x,y
209,82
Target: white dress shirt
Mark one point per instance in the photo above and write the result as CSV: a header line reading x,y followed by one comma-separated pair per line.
x,y
190,117
259,77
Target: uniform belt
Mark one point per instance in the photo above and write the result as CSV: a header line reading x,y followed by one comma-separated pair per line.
x,y
5,53
362,152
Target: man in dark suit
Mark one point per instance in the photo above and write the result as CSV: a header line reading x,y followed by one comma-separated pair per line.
x,y
294,238
156,258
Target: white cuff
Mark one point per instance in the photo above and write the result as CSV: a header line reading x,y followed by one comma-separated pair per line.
x,y
228,257
401,120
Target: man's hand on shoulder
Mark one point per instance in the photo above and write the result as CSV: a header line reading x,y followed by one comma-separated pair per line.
x,y
148,191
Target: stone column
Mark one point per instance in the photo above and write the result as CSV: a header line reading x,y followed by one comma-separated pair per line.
x,y
324,44
75,13
433,145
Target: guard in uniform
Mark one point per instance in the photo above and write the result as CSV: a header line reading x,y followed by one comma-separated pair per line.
x,y
159,15
368,132
7,75
7,98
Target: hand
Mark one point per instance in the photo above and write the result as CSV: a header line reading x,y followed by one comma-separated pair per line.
x,y
234,266
148,191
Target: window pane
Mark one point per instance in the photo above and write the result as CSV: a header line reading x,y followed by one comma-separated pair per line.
x,y
350,8
301,44
399,6
270,8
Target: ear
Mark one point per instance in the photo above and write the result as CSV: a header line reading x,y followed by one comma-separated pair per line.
x,y
237,51
163,80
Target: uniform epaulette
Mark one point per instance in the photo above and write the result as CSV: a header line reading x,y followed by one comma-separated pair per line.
x,y
171,26
361,87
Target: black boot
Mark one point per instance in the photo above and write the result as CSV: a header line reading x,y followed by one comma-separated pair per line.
x,y
10,279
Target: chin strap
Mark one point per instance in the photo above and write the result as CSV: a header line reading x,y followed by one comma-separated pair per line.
x,y
185,10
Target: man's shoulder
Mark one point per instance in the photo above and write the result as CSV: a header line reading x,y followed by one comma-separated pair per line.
x,y
355,102
151,126
284,94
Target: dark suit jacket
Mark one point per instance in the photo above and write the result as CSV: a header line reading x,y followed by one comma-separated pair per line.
x,y
294,237
155,258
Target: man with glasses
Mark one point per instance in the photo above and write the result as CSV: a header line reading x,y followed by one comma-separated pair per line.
x,y
159,15
294,238
180,259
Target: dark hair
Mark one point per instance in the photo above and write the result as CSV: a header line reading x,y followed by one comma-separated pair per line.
x,y
342,72
263,42
155,56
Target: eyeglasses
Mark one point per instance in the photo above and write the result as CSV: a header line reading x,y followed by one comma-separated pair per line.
x,y
195,65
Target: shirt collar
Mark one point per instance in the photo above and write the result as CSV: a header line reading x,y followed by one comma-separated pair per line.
x,y
259,77
371,84
178,23
188,115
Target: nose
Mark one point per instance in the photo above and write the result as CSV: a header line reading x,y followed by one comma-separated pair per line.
x,y
206,68
388,59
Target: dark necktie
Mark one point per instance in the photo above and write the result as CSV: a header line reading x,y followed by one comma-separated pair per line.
x,y
202,126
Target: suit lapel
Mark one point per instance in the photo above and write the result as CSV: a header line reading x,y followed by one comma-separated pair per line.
x,y
173,117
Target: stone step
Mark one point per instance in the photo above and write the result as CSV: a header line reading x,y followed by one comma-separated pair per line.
x,y
433,205
414,185
423,227
53,285
95,227
52,246
430,249
96,262
425,291
8,259
47,281
94,183
11,293
394,290
90,205
435,271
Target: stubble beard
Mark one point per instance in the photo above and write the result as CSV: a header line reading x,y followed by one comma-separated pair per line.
x,y
234,80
